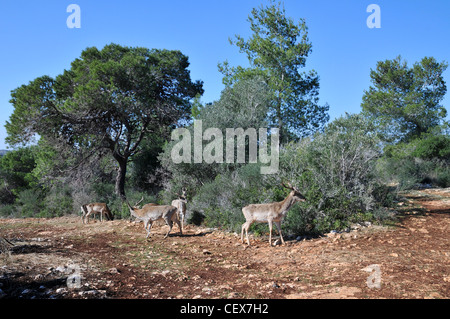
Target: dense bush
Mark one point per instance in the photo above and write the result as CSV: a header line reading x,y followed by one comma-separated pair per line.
x,y
336,171
424,160
221,200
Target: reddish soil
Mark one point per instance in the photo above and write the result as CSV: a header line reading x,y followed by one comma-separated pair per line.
x,y
114,260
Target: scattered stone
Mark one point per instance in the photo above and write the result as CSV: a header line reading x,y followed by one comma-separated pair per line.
x,y
93,293
61,290
165,272
233,295
61,269
206,252
331,234
38,277
113,271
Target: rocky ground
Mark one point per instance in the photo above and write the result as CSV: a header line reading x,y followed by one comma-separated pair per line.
x,y
61,258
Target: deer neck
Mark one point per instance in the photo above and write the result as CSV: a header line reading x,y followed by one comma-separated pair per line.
x,y
287,203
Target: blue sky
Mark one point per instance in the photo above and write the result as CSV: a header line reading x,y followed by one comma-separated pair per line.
x,y
36,41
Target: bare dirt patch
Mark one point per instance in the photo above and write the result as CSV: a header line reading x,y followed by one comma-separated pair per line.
x,y
113,260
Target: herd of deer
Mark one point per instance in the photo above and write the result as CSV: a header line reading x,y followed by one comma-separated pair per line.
x,y
149,213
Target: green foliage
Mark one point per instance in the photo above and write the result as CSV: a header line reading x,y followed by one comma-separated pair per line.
x,y
221,200
243,105
108,102
432,146
57,202
16,168
410,172
29,203
277,50
423,160
404,101
336,172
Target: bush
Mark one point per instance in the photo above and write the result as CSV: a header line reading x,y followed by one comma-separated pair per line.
x,y
58,202
409,172
336,171
30,202
432,147
8,211
221,201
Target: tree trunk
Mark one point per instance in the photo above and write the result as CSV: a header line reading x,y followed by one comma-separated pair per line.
x,y
120,178
279,119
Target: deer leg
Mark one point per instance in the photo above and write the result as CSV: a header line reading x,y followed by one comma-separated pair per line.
x,y
247,226
82,214
179,219
182,220
279,231
148,226
179,225
242,232
170,223
270,231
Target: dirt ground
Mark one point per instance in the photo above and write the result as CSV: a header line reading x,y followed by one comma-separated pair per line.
x,y
61,258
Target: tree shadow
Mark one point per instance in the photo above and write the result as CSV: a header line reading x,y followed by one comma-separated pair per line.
x,y
200,234
18,285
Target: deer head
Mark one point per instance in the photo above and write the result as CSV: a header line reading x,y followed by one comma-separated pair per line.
x,y
295,193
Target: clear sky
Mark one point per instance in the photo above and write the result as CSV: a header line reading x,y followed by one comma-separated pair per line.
x,y
36,41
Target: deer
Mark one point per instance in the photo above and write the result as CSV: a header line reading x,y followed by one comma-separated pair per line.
x,y
150,213
95,208
180,203
270,213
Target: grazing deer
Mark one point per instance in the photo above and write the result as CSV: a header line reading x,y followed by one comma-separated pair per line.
x,y
270,213
151,213
180,203
95,208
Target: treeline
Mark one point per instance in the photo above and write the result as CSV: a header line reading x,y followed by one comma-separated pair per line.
x,y
104,134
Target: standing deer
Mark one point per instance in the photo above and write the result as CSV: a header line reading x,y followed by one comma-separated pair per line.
x,y
270,213
151,213
95,208
180,203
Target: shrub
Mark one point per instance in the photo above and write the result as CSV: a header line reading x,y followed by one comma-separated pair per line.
x,y
409,172
432,147
221,200
8,211
336,171
30,202
57,202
